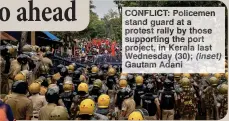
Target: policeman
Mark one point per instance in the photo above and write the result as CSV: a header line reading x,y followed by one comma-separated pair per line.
x,y
81,95
46,60
87,111
71,69
222,100
103,106
59,113
52,97
111,81
94,75
151,103
131,80
139,90
209,94
38,100
187,106
128,103
17,65
21,106
76,79
96,90
105,68
67,95
63,73
168,100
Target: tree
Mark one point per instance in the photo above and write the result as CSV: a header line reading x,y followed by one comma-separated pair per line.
x,y
113,25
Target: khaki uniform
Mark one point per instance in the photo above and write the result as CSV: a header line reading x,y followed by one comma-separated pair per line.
x,y
15,68
45,111
168,114
38,102
20,105
187,105
128,105
46,61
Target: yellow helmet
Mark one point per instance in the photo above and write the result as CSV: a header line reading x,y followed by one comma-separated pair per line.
x,y
59,113
95,69
47,48
27,48
185,82
226,75
205,74
177,74
123,83
83,87
111,71
214,81
98,83
136,115
82,78
103,101
124,74
35,48
34,88
11,50
71,68
20,76
187,75
87,107
139,80
44,69
68,86
217,75
223,89
56,76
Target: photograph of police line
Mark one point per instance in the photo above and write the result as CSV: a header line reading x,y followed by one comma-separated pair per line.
x,y
78,76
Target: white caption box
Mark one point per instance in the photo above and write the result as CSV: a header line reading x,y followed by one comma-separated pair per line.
x,y
173,39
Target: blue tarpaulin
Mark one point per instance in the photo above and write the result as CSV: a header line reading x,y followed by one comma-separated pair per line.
x,y
49,36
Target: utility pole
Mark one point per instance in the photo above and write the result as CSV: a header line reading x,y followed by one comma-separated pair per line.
x,y
22,42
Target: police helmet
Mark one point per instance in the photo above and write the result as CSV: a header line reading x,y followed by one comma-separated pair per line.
x,y
64,72
76,75
59,67
126,92
171,77
20,87
52,95
138,114
168,84
105,67
22,58
59,113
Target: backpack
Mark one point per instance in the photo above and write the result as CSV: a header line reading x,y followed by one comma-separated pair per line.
x,y
3,116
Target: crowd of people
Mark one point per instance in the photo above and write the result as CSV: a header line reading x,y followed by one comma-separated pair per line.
x,y
39,90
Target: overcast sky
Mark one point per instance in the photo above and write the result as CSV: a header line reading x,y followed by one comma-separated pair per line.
x,y
103,6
